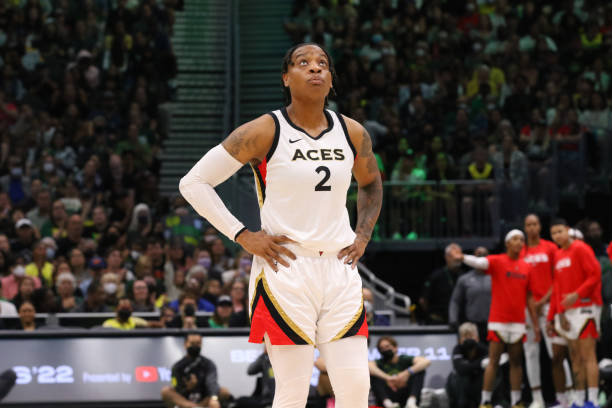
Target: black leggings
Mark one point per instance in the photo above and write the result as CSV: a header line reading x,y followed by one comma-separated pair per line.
x,y
412,388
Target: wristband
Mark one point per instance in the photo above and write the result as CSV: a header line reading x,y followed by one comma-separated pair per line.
x,y
410,371
239,232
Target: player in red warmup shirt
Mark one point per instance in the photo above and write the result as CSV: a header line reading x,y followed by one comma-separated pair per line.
x,y
510,284
540,253
575,309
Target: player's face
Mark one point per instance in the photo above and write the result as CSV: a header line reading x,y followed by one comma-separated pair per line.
x,y
515,244
309,73
532,226
559,234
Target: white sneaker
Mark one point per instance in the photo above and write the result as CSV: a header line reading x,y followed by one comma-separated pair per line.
x,y
536,404
411,404
390,404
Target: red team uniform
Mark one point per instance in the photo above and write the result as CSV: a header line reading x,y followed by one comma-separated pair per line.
x,y
510,280
541,258
577,270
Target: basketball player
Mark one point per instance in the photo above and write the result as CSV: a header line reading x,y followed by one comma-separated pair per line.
x,y
304,290
576,308
510,281
540,253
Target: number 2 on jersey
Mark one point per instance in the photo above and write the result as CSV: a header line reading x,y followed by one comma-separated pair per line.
x,y
321,186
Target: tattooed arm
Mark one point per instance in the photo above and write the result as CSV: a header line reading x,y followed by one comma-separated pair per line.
x,y
248,143
369,193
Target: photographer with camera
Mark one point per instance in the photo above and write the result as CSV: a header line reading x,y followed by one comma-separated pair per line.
x,y
194,379
186,318
464,383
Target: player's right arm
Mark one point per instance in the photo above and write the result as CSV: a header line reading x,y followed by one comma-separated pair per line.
x,y
476,262
248,143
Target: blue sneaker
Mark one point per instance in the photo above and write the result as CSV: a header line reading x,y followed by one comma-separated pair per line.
x,y
589,404
574,405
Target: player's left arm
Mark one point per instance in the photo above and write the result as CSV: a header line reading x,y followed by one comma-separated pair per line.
x,y
369,193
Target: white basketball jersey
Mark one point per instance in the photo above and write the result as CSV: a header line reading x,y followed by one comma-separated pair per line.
x,y
303,182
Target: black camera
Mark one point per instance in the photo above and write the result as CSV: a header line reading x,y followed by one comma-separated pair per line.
x,y
189,310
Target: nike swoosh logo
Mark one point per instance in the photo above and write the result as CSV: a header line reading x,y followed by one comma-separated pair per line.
x,y
293,141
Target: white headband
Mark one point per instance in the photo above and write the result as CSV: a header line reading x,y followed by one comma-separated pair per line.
x,y
514,233
576,234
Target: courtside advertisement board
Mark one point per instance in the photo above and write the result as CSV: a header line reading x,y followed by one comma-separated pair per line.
x,y
124,369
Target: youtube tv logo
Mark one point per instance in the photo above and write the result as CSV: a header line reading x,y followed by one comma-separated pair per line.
x,y
146,374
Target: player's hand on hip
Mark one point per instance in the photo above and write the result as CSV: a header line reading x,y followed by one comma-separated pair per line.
x,y
267,247
354,252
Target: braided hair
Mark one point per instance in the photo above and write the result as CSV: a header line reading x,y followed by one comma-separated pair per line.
x,y
287,62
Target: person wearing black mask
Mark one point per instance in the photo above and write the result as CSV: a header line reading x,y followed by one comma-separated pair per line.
x,y
124,319
186,317
194,379
463,385
396,380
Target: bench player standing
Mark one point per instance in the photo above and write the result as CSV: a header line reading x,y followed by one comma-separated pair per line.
x,y
510,282
576,309
304,289
540,253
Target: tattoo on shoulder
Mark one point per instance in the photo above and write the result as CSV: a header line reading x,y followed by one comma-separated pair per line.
x,y
236,141
367,153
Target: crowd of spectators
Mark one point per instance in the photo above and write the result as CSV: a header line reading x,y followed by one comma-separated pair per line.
x,y
473,90
82,226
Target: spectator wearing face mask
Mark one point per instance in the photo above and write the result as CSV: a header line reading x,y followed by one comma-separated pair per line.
x,y
141,224
40,267
15,183
396,380
50,248
123,319
113,288
194,379
242,268
11,283
464,383
203,258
